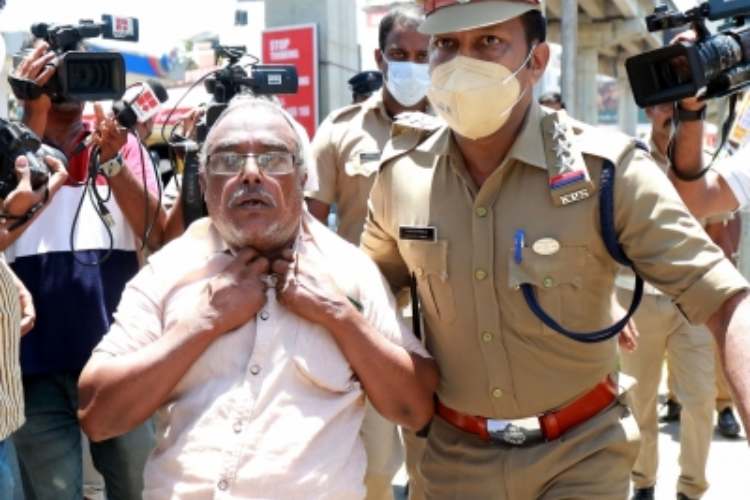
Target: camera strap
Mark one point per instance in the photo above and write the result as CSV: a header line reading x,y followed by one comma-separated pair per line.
x,y
25,89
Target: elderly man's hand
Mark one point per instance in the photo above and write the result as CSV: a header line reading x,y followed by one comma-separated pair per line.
x,y
109,135
234,296
305,287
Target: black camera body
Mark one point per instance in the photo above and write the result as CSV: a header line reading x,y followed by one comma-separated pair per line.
x,y
17,140
232,79
81,76
709,67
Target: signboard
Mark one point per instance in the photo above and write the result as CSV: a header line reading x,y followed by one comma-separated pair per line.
x,y
296,45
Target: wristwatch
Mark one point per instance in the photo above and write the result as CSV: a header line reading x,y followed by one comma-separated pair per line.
x,y
686,115
112,167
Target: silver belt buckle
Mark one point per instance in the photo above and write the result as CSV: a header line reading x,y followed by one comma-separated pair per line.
x,y
505,432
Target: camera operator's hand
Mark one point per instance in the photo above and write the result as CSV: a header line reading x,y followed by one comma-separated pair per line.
x,y
38,67
190,122
109,135
690,103
22,198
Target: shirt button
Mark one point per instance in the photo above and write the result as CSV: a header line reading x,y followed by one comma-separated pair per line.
x,y
223,484
487,336
480,274
419,272
481,212
255,369
237,427
548,282
497,393
264,315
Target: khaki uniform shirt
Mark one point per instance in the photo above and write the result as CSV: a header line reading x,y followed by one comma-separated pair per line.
x,y
496,358
347,149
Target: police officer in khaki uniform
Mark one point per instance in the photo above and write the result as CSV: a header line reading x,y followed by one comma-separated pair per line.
x,y
347,150
690,354
501,218
348,144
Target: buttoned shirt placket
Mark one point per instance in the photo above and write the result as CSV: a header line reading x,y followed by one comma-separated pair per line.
x,y
247,393
481,203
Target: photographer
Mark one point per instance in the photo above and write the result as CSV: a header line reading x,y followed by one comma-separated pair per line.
x,y
75,267
16,318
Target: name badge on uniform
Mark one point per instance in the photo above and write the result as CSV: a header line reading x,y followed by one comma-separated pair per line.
x,y
417,233
367,157
364,163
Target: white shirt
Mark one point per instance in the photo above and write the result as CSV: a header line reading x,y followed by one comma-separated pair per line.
x,y
736,172
270,410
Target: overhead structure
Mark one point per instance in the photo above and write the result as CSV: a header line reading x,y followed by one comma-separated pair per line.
x,y
597,39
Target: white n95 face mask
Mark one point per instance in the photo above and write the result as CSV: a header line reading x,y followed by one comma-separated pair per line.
x,y
407,82
475,97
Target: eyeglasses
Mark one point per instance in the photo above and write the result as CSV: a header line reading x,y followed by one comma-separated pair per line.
x,y
270,163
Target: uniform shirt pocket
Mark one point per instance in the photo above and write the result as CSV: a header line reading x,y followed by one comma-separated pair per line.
x,y
428,260
320,362
558,282
362,163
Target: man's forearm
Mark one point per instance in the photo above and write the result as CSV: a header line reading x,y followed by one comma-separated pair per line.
x,y
34,119
118,393
399,384
129,194
687,148
730,326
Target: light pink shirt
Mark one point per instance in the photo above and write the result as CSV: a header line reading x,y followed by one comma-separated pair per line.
x,y
132,154
270,410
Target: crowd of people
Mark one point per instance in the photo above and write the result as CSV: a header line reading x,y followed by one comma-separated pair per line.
x,y
494,308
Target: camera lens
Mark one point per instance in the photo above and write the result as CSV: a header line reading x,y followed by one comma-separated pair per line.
x,y
89,77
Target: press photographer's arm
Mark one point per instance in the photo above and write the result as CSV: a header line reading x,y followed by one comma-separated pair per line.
x,y
705,193
22,199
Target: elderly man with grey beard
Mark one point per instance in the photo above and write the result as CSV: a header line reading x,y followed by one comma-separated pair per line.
x,y
256,337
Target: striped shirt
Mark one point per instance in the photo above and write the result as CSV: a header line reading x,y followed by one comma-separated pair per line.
x,y
11,390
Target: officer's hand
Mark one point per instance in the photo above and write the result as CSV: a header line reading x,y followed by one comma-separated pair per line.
x,y
691,103
628,338
305,287
39,67
22,198
234,296
108,134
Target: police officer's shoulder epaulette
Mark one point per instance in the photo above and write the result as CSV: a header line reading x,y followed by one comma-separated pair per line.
x,y
344,113
569,179
407,132
609,144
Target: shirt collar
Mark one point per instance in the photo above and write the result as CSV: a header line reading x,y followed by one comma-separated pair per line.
x,y
529,145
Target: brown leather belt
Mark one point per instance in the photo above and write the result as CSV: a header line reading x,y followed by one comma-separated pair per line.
x,y
546,427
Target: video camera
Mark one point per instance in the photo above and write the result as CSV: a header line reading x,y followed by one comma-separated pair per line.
x,y
232,79
17,140
81,76
711,66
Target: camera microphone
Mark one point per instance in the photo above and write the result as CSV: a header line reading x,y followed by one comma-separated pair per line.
x,y
142,106
141,103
